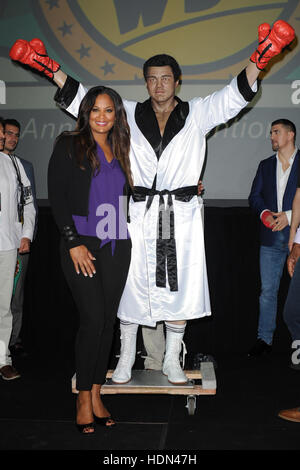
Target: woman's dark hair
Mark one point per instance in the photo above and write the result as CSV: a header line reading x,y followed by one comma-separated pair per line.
x,y
162,60
118,137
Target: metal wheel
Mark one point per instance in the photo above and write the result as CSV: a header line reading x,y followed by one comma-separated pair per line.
x,y
191,404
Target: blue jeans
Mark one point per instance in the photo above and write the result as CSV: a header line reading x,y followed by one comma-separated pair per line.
x,y
291,312
272,260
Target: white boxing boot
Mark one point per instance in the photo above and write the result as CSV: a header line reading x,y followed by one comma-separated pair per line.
x,y
122,373
171,365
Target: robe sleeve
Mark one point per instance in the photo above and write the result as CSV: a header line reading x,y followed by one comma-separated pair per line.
x,y
70,95
224,104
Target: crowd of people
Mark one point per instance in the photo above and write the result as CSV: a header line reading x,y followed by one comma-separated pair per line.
x,y
148,267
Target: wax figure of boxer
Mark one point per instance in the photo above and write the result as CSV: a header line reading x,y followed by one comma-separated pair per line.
x,y
167,279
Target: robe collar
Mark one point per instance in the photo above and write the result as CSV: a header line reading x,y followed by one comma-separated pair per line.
x,y
147,123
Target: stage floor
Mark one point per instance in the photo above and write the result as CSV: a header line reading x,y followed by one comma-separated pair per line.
x,y
37,411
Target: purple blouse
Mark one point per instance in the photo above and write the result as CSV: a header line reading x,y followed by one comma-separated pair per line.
x,y
106,217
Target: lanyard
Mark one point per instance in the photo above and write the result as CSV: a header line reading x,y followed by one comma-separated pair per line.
x,y
21,186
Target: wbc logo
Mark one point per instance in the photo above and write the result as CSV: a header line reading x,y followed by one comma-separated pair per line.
x,y
111,39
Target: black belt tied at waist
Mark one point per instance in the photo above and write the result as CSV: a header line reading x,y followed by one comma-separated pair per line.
x,y
166,259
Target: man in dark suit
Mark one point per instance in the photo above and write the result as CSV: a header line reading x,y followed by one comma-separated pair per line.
x,y
271,197
12,133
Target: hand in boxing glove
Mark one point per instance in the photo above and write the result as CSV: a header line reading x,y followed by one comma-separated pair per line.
x,y
34,54
271,42
267,219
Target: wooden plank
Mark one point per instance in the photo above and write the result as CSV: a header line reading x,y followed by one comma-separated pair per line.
x,y
179,390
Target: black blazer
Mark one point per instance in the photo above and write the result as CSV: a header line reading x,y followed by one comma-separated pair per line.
x,y
69,188
263,194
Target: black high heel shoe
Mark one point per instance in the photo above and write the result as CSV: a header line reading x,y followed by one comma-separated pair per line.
x,y
82,428
107,421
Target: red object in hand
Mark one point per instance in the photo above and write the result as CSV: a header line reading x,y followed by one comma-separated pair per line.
x,y
264,219
34,54
271,42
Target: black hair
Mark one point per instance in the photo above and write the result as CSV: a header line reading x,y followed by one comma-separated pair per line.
x,y
162,60
12,122
119,135
286,123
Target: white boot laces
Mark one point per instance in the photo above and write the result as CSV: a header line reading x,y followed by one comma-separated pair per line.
x,y
184,353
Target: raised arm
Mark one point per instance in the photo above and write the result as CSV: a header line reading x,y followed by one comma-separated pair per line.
x,y
34,54
60,78
270,44
271,41
226,103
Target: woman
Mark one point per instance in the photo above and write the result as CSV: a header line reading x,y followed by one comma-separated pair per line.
x,y
88,171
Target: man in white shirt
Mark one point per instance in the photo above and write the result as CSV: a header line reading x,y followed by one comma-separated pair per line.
x,y
12,129
271,196
17,219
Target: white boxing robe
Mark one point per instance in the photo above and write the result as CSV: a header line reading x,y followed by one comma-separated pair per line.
x,y
179,165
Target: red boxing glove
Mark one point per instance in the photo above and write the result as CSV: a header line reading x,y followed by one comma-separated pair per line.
x,y
264,219
34,54
271,42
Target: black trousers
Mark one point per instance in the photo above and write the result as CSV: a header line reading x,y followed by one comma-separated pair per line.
x,y
97,300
